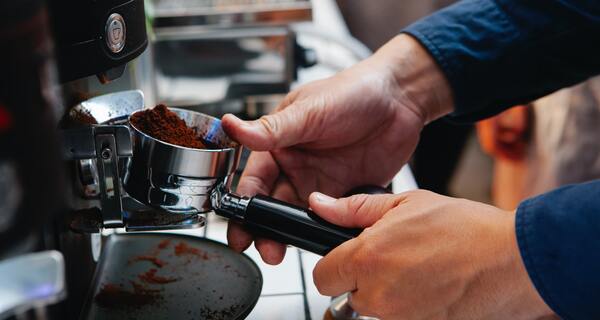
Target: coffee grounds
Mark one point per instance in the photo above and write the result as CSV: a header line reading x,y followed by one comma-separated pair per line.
x,y
113,296
152,259
83,117
165,125
150,276
182,249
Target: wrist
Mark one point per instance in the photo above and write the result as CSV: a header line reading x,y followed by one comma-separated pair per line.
x,y
528,304
420,83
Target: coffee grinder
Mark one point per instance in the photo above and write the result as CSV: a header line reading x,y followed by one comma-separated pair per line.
x,y
43,261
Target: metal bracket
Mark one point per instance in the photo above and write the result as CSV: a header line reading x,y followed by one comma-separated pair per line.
x,y
110,182
106,145
80,143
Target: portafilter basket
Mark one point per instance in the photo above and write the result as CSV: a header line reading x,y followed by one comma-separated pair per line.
x,y
187,180
179,179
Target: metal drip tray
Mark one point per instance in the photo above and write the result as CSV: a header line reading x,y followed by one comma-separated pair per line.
x,y
166,276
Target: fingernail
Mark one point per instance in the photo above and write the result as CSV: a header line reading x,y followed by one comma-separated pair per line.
x,y
324,198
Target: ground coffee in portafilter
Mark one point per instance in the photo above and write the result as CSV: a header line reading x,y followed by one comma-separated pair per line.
x,y
165,125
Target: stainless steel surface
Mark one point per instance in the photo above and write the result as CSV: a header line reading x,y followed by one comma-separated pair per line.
x,y
102,156
80,147
229,12
197,279
115,33
340,310
80,143
179,179
99,154
31,281
136,217
88,177
110,180
226,63
229,203
110,107
161,221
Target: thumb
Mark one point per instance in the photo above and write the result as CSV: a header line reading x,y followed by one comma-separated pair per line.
x,y
279,130
358,211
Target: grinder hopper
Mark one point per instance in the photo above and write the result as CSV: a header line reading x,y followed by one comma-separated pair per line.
x,y
185,180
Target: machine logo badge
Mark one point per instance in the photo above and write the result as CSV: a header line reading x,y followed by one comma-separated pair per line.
x,y
115,33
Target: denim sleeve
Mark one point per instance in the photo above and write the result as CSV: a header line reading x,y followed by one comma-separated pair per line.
x,y
559,239
500,53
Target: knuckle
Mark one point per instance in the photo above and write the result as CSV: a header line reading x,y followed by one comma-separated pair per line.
x,y
271,125
289,99
357,204
416,193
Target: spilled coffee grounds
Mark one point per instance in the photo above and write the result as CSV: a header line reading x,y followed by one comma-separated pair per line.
x,y
165,125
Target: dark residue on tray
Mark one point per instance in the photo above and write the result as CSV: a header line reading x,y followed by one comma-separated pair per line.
x,y
223,314
112,296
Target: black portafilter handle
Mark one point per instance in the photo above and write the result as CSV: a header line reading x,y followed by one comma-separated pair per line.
x,y
287,223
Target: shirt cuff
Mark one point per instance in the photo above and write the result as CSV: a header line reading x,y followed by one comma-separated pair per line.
x,y
558,234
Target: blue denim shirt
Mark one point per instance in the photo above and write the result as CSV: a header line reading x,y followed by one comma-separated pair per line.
x,y
500,53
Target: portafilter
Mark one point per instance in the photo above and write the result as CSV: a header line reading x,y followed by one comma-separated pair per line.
x,y
186,180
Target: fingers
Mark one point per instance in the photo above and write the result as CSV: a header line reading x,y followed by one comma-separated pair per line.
x,y
279,130
335,274
271,252
259,176
238,238
358,211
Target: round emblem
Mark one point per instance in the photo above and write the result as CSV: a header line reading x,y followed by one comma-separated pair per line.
x,y
115,33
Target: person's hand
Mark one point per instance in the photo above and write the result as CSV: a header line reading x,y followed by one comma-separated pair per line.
x,y
426,256
356,128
